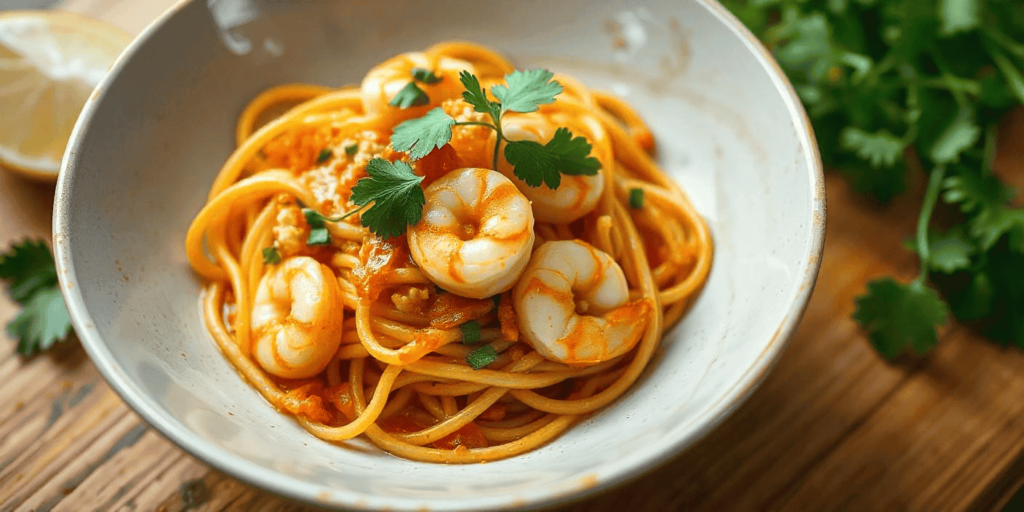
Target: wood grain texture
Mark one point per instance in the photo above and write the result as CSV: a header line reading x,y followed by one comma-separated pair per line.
x,y
832,428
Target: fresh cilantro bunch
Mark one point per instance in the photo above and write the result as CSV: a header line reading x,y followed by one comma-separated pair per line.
x,y
31,279
884,80
392,193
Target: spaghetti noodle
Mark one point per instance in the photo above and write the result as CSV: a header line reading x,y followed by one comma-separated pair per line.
x,y
352,336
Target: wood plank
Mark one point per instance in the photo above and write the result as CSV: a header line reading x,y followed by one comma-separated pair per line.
x,y
832,428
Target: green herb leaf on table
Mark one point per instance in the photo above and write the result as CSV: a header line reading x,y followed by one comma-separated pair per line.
x,y
423,135
959,15
31,277
410,96
42,322
28,267
950,252
396,195
563,154
889,80
527,90
961,135
881,148
900,317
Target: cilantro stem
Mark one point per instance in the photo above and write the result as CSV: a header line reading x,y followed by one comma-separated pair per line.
x,y
1005,41
497,143
496,127
931,196
472,123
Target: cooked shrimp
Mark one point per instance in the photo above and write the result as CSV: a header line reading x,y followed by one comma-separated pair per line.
x,y
296,318
576,196
573,305
386,79
476,233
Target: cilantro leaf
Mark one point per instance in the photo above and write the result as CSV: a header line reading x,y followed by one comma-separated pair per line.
x,y
422,135
396,195
881,148
324,155
958,16
973,191
28,268
527,90
961,135
425,76
351,149
410,96
32,277
950,252
991,224
1010,72
477,97
898,316
563,154
43,322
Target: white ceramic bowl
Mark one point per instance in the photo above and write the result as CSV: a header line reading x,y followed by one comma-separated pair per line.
x,y
149,143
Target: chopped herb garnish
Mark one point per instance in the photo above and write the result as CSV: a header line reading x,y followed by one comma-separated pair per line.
x,y
410,96
318,234
351,150
271,256
470,332
482,357
636,198
396,195
425,76
324,155
532,162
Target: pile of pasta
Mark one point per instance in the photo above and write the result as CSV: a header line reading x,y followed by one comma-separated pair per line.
x,y
400,376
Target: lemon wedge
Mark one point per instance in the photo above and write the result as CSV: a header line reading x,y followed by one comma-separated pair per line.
x,y
49,64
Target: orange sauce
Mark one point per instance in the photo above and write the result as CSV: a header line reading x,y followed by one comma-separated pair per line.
x,y
450,310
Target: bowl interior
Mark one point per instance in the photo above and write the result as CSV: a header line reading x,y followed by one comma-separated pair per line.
x,y
143,157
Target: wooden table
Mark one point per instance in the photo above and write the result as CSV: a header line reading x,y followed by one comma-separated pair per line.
x,y
833,427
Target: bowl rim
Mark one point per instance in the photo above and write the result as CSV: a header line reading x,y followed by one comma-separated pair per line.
x,y
628,470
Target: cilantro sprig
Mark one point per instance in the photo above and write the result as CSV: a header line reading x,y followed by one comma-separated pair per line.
x,y
886,79
532,162
31,279
392,193
394,196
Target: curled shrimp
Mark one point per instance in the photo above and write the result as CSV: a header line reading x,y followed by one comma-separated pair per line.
x,y
572,304
296,318
476,233
386,79
576,196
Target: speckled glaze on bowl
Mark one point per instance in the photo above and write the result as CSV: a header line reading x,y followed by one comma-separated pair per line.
x,y
146,150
